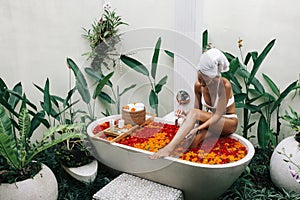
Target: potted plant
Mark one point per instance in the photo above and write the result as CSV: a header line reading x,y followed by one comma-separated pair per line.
x,y
21,176
285,160
102,38
73,154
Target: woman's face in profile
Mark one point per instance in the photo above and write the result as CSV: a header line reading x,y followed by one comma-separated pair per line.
x,y
204,80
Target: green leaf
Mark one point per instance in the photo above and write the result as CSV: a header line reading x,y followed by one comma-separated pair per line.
x,y
250,125
104,96
8,150
53,98
258,86
68,98
23,98
106,114
160,84
204,40
13,100
169,53
5,123
24,123
252,108
69,132
272,85
127,89
47,99
260,59
93,73
240,97
135,65
81,83
281,97
101,84
37,119
263,132
97,75
155,58
153,99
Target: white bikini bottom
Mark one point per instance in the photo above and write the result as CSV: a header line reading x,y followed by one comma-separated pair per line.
x,y
230,116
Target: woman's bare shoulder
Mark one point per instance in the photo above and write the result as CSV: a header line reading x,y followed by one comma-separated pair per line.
x,y
226,83
197,87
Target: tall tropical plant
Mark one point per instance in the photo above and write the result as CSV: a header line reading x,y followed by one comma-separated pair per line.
x,y
271,103
58,110
156,86
115,97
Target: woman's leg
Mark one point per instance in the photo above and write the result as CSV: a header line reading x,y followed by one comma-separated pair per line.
x,y
192,117
225,125
229,127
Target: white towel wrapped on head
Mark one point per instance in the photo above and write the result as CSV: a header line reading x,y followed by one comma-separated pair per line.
x,y
212,63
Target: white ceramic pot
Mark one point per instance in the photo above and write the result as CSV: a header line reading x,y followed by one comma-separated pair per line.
x,y
86,173
42,186
282,172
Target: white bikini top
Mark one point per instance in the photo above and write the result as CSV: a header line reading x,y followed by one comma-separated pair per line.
x,y
208,107
229,103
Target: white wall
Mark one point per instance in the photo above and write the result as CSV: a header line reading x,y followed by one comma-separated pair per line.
x,y
36,36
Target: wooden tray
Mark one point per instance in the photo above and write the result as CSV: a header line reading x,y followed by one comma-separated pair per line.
x,y
123,133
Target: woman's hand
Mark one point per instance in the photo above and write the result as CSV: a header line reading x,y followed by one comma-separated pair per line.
x,y
166,151
180,114
192,133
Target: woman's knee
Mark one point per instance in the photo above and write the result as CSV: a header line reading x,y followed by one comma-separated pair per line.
x,y
194,113
230,127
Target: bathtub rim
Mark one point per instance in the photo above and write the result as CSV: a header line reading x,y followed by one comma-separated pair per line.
x,y
244,141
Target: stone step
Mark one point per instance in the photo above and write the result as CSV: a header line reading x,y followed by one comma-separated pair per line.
x,y
129,187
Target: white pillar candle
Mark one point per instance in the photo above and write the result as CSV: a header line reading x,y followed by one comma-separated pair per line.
x,y
112,124
121,123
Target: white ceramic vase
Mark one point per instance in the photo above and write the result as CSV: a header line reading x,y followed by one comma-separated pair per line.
x,y
284,174
86,173
42,186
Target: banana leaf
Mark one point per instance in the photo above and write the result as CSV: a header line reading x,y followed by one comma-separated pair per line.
x,y
281,97
263,132
153,100
204,40
272,85
106,97
155,58
127,89
160,84
13,100
101,84
169,53
259,60
81,83
135,65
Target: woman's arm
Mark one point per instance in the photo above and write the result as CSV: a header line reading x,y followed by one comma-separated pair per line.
x,y
197,93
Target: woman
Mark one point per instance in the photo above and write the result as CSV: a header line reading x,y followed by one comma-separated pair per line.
x,y
214,93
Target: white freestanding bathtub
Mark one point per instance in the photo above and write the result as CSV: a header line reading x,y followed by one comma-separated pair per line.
x,y
197,181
